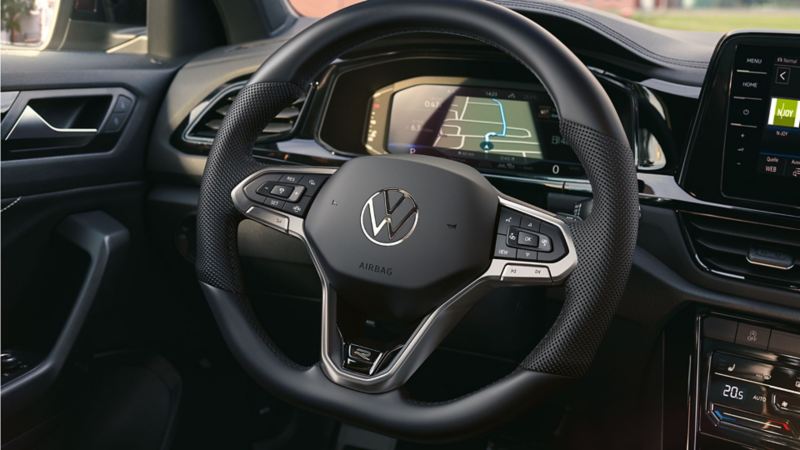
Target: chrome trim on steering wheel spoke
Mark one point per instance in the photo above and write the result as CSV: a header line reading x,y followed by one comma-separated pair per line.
x,y
434,326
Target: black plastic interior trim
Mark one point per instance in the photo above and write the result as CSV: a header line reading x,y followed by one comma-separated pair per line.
x,y
105,240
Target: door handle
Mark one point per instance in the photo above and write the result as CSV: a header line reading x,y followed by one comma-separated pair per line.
x,y
60,122
30,125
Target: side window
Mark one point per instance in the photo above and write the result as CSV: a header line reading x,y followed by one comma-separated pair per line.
x,y
27,24
111,26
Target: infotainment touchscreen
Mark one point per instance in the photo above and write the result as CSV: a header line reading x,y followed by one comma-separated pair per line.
x,y
762,154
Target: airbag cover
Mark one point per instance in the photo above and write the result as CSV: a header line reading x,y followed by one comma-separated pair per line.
x,y
437,239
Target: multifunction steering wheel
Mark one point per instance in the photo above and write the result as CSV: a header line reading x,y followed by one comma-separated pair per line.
x,y
416,239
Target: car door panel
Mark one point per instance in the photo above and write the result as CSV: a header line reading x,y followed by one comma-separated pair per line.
x,y
73,185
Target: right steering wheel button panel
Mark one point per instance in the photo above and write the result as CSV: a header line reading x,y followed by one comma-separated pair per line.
x,y
528,239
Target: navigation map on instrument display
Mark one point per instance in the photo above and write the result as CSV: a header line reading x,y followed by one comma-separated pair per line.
x,y
464,119
489,125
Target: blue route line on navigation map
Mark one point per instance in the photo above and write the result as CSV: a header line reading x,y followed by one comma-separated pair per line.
x,y
502,133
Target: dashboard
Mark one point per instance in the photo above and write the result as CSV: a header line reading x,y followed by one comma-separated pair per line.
x,y
476,108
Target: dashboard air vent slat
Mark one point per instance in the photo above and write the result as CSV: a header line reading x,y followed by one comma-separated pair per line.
x,y
757,252
209,116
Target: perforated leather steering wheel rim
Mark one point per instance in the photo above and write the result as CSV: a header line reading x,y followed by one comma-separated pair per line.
x,y
604,243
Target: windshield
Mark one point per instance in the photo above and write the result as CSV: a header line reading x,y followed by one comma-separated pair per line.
x,y
692,15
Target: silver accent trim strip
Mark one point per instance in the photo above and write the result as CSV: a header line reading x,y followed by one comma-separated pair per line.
x,y
771,266
205,106
201,109
7,99
682,90
30,124
433,327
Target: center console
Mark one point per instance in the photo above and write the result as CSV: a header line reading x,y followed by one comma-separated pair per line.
x,y
745,144
747,385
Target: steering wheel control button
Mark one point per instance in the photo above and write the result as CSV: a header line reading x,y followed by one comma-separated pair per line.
x,y
519,272
512,238
362,359
296,194
532,246
312,183
298,209
545,244
274,203
527,255
268,218
530,223
502,250
258,189
508,219
292,178
282,191
553,250
526,239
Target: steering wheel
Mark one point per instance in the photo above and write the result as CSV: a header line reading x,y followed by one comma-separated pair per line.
x,y
417,239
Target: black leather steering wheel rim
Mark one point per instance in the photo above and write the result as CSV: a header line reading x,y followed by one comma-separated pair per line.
x,y
604,242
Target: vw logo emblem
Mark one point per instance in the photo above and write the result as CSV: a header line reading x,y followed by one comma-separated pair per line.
x,y
389,217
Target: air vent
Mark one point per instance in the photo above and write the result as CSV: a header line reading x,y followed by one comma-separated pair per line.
x,y
206,119
764,254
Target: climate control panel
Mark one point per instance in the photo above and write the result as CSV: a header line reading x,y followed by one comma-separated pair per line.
x,y
753,395
748,385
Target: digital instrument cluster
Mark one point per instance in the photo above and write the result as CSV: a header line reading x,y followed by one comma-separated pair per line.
x,y
496,127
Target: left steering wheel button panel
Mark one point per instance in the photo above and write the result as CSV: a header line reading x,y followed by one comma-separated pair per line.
x,y
268,218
